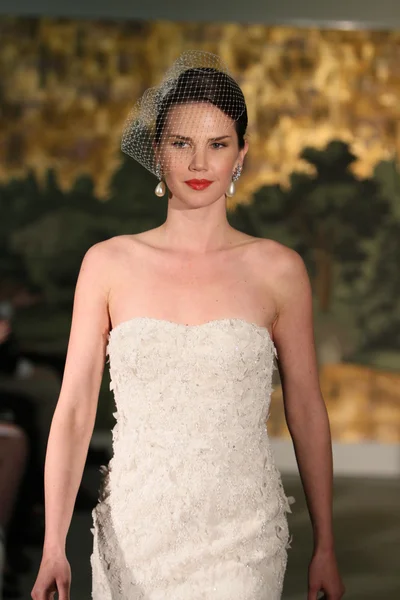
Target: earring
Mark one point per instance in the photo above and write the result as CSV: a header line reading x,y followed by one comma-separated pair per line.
x,y
237,173
232,188
160,188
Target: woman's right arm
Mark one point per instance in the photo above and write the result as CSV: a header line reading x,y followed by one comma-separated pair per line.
x,y
74,416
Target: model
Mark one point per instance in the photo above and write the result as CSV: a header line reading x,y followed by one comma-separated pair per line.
x,y
192,315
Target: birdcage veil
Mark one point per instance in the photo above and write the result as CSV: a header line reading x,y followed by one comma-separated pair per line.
x,y
154,132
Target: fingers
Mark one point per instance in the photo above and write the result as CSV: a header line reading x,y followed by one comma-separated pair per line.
x,y
327,596
41,594
312,594
335,595
315,593
64,589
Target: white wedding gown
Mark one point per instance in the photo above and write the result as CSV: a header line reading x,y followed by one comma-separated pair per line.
x,y
192,506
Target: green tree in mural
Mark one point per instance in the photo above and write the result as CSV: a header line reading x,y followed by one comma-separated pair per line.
x,y
345,229
379,308
132,200
19,203
264,216
334,213
325,218
378,290
42,225
52,230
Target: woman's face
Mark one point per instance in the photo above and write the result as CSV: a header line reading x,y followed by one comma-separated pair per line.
x,y
198,152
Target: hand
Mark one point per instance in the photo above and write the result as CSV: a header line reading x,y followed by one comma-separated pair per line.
x,y
323,575
54,576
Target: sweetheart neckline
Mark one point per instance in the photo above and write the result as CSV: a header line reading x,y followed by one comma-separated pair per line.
x,y
261,328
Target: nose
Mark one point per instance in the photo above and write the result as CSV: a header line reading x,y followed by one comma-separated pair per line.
x,y
199,160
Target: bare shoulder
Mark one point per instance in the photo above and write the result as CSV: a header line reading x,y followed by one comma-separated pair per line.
x,y
284,261
107,262
131,242
106,254
113,246
98,256
97,264
282,269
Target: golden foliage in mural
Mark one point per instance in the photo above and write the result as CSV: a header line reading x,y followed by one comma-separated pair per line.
x,y
362,402
67,87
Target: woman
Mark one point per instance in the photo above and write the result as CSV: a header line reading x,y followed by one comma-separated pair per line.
x,y
14,451
14,446
192,505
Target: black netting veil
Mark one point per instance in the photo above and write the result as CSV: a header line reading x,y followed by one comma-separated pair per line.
x,y
155,132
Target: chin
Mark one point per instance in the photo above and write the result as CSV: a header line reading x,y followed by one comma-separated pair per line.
x,y
201,198
198,200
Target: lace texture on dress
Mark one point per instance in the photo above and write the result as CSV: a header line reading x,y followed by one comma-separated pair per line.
x,y
191,504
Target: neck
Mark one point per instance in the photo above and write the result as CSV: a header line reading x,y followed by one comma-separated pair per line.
x,y
197,229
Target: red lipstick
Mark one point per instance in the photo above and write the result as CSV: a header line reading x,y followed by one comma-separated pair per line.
x,y
198,184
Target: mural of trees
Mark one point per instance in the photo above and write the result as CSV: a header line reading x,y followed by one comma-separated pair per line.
x,y
346,230
322,174
68,85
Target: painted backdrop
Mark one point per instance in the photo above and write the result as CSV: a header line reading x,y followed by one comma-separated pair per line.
x,y
321,176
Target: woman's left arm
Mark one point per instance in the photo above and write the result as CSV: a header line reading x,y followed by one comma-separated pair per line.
x,y
307,417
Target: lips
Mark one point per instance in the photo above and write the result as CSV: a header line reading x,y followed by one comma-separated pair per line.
x,y
198,184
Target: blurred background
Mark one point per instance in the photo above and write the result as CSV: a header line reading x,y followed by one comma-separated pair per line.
x,y
322,176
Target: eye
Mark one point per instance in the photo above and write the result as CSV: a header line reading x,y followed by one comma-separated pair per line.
x,y
179,144
218,145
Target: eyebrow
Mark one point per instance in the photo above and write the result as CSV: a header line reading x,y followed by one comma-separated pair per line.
x,y
188,139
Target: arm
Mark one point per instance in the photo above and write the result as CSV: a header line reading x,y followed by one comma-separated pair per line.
x,y
75,413
305,411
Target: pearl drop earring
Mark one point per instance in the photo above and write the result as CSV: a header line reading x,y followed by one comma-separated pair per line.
x,y
232,188
160,188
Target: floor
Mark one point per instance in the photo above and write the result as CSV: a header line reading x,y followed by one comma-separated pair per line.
x,y
367,530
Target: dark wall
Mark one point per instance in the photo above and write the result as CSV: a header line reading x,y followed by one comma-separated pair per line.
x,y
340,14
